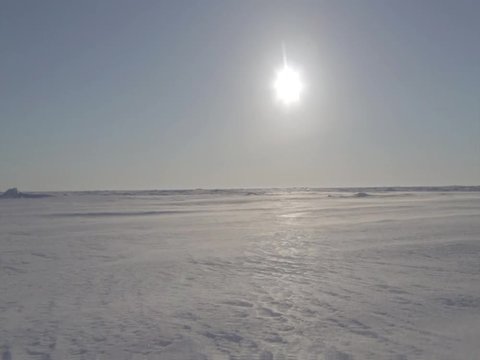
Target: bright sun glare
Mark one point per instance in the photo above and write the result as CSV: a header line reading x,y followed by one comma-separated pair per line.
x,y
288,85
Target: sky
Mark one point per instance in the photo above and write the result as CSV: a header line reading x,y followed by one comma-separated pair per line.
x,y
143,94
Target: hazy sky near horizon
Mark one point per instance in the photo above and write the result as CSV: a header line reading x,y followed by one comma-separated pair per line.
x,y
124,94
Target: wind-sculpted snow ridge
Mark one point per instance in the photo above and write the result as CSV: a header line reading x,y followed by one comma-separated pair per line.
x,y
277,274
118,213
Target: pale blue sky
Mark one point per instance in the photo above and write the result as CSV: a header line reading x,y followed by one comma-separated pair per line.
x,y
117,94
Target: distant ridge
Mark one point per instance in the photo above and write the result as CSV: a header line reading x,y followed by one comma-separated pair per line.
x,y
13,193
265,191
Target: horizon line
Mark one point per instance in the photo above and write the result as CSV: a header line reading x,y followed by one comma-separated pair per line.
x,y
406,187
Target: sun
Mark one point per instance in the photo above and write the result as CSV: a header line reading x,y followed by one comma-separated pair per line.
x,y
288,85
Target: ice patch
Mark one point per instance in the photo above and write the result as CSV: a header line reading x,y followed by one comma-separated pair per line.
x,y
361,195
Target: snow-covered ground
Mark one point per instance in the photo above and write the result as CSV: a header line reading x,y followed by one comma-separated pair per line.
x,y
277,274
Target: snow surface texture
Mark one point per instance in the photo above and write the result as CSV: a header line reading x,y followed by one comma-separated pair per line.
x,y
276,274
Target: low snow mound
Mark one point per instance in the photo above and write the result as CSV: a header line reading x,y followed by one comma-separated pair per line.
x,y
13,193
347,196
